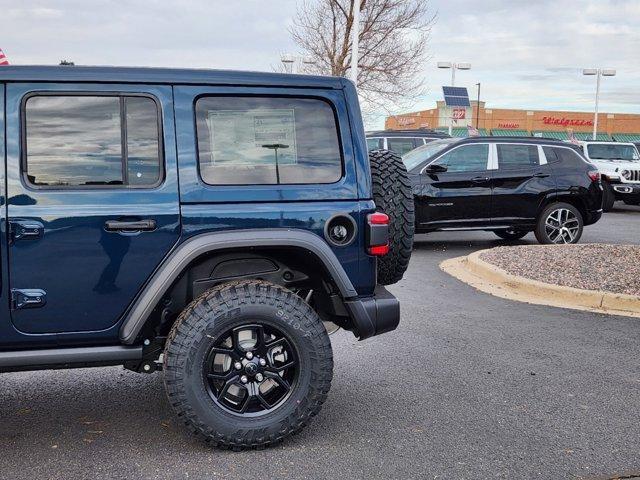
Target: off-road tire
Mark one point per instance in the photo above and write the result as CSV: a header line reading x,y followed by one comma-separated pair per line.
x,y
608,197
392,195
540,230
511,234
214,312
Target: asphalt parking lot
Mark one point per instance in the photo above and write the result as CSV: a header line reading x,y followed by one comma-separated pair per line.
x,y
469,386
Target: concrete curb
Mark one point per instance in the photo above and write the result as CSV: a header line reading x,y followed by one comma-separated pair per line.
x,y
496,281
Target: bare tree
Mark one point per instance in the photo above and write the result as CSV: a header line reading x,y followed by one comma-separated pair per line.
x,y
393,40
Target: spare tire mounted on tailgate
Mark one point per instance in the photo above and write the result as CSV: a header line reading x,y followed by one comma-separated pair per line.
x,y
393,196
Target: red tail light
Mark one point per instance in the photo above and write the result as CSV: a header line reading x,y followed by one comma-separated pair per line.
x,y
379,251
594,175
377,234
378,218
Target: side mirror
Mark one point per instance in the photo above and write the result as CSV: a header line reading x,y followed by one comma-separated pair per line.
x,y
436,168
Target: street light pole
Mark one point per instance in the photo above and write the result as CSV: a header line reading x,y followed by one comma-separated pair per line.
x,y
453,67
598,72
355,41
478,108
595,115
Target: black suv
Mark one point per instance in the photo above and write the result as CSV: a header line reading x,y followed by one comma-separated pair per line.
x,y
402,141
510,186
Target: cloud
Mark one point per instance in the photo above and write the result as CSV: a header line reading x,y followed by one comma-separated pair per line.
x,y
248,35
525,54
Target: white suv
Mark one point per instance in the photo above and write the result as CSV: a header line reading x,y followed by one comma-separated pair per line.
x,y
619,166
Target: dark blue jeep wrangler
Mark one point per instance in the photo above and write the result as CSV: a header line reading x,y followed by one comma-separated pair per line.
x,y
213,225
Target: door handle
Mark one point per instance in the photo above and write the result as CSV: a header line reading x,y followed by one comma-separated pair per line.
x,y
540,175
479,179
130,226
25,229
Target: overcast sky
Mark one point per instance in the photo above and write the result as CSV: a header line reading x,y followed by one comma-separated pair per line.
x,y
526,54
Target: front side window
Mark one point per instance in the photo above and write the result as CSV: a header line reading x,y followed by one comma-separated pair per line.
x,y
511,156
83,141
421,154
267,141
468,158
611,151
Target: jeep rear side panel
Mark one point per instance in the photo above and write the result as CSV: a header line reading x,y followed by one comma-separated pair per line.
x,y
207,208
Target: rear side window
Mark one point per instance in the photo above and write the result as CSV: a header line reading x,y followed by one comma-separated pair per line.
x,y
267,141
84,141
400,145
563,155
468,158
512,156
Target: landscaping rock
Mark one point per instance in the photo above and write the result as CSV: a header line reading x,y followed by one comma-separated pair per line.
x,y
610,268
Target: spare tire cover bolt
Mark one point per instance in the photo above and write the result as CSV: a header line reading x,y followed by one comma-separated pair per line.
x,y
238,365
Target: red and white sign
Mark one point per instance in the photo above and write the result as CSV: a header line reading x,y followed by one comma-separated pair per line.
x,y
459,113
404,121
567,122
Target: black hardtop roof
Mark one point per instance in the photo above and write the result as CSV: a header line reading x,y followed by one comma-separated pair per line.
x,y
413,132
521,139
67,73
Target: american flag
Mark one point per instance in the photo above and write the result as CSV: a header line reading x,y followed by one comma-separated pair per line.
x,y
3,58
572,138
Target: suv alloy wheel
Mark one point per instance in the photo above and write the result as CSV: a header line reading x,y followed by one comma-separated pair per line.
x,y
559,223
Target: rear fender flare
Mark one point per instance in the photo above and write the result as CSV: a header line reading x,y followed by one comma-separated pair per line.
x,y
186,252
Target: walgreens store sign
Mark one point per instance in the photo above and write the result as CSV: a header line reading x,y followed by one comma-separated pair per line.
x,y
567,122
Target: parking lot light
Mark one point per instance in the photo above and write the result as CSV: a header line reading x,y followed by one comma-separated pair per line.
x,y
453,67
598,72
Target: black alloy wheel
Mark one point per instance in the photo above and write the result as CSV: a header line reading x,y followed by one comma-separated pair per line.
x,y
247,364
251,369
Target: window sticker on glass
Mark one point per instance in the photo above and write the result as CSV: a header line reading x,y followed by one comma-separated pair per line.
x,y
254,137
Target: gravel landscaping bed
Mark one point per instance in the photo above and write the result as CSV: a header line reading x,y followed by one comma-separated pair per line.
x,y
611,268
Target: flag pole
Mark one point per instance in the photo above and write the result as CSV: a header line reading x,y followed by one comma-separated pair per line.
x,y
355,41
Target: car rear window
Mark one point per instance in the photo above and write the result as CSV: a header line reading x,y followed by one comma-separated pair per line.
x,y
514,156
85,141
401,145
267,140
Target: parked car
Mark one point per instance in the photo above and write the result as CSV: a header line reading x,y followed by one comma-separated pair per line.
x,y
510,186
402,141
210,224
619,165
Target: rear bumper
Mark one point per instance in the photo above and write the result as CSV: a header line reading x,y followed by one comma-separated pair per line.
x,y
593,216
374,315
